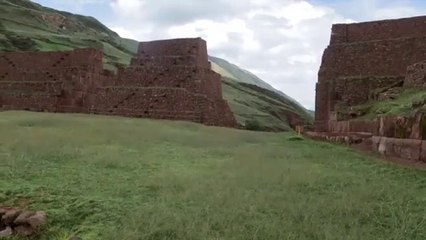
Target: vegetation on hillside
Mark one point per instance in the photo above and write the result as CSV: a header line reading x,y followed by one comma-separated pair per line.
x,y
238,74
260,104
406,102
27,26
260,109
119,178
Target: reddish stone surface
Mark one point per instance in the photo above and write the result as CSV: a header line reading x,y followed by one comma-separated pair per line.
x,y
51,81
410,127
416,75
370,61
353,126
378,30
410,149
363,57
345,138
423,152
169,79
392,136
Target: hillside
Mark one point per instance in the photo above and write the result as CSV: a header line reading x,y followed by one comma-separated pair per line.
x,y
260,102
26,26
232,71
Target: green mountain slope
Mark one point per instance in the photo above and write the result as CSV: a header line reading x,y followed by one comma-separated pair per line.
x,y
260,102
27,26
230,70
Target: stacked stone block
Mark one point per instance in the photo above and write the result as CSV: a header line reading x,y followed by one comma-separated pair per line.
x,y
169,79
46,81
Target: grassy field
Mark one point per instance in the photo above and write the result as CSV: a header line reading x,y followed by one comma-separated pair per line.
x,y
117,178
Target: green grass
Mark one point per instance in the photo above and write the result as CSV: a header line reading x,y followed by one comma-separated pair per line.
x,y
118,178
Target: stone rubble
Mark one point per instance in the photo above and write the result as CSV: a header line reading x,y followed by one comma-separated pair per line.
x,y
20,222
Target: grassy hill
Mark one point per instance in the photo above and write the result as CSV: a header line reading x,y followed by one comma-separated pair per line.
x,y
255,105
232,71
26,26
253,100
120,178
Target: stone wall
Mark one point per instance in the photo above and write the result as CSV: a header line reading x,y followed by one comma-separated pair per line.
x,y
52,81
411,127
410,149
391,136
373,54
354,126
352,91
378,30
169,79
189,47
323,106
408,127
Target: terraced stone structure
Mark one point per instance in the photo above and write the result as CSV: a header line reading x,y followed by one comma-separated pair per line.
x,y
168,79
363,61
363,57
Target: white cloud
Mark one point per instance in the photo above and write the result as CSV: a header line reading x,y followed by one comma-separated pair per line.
x,y
124,33
128,8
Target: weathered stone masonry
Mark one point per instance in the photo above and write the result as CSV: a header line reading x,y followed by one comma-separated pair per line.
x,y
169,79
365,56
361,58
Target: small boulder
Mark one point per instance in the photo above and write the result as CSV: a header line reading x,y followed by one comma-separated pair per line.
x,y
24,230
10,216
38,219
19,222
6,232
3,211
22,218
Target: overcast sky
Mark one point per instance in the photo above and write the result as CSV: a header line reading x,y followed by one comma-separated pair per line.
x,y
281,41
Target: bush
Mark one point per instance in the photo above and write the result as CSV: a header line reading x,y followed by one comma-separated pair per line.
x,y
295,138
22,43
253,125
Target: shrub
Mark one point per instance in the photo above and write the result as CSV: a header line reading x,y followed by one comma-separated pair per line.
x,y
295,138
253,125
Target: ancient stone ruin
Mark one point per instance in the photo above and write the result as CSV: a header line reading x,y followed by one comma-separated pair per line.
x,y
366,61
168,79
